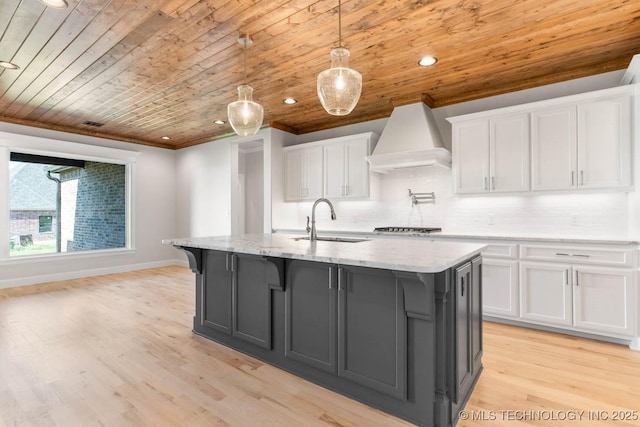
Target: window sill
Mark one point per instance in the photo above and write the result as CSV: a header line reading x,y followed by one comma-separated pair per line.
x,y
30,259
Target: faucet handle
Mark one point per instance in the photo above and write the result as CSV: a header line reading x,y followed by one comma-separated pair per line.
x,y
308,228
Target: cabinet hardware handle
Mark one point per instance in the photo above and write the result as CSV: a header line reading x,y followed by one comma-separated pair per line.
x,y
340,279
561,254
581,255
571,177
581,177
330,277
462,286
230,264
577,284
493,182
566,277
484,185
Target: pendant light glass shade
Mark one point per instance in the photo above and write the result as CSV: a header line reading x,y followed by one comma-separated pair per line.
x,y
245,115
339,87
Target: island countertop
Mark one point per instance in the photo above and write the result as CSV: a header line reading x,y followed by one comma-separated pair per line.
x,y
414,255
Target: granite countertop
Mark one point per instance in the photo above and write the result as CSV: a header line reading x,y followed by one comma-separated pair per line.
x,y
414,255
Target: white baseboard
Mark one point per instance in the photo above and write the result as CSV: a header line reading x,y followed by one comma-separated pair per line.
x,y
635,344
45,278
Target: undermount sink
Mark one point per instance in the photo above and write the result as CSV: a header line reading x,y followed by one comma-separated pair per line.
x,y
334,239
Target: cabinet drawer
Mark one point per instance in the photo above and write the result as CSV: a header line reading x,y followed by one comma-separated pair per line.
x,y
498,250
577,255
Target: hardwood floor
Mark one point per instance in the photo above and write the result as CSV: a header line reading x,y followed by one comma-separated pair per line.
x,y
118,350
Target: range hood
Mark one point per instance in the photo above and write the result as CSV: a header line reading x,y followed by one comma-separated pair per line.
x,y
409,139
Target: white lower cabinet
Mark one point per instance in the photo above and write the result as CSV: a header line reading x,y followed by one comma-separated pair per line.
x,y
500,287
589,299
576,287
545,291
603,300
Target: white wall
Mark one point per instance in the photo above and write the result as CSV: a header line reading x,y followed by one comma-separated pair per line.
x,y
254,191
203,182
155,216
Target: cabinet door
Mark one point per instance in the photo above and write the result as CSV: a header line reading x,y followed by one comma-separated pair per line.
x,y
476,314
372,330
356,169
303,174
334,170
216,299
500,287
471,157
346,172
553,149
545,292
509,153
310,314
293,180
251,300
603,300
604,143
313,184
463,330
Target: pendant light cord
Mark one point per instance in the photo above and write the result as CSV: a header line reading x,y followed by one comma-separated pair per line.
x,y
339,24
244,43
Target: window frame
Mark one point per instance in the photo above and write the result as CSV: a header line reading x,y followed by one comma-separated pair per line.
x,y
16,143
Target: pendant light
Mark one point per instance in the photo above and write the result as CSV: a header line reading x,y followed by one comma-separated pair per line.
x,y
245,115
339,87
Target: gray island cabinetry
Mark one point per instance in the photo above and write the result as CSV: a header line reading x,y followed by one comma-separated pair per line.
x,y
393,323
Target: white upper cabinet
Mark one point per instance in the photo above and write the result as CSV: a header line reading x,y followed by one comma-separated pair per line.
x,y
471,157
334,168
586,145
303,174
604,143
346,172
509,161
554,149
491,154
580,142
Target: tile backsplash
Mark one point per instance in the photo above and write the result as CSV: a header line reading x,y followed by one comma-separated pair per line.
x,y
589,214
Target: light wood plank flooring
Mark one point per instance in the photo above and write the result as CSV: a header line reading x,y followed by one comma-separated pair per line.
x,y
118,350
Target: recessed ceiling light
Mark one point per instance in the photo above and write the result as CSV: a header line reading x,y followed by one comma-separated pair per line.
x,y
289,101
219,122
166,138
56,4
427,61
8,65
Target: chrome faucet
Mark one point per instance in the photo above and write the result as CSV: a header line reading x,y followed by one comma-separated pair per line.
x,y
312,230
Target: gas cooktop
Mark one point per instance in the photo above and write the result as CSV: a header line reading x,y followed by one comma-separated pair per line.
x,y
407,229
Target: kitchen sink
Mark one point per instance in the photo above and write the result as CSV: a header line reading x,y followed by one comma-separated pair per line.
x,y
334,239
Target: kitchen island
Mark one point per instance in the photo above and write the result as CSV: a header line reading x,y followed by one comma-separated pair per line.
x,y
395,324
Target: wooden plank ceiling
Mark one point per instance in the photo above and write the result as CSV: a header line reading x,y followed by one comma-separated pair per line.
x,y
150,68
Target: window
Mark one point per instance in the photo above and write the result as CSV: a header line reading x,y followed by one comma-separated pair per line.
x,y
60,204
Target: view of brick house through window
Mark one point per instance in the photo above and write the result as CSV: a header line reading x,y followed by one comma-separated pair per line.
x,y
65,205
